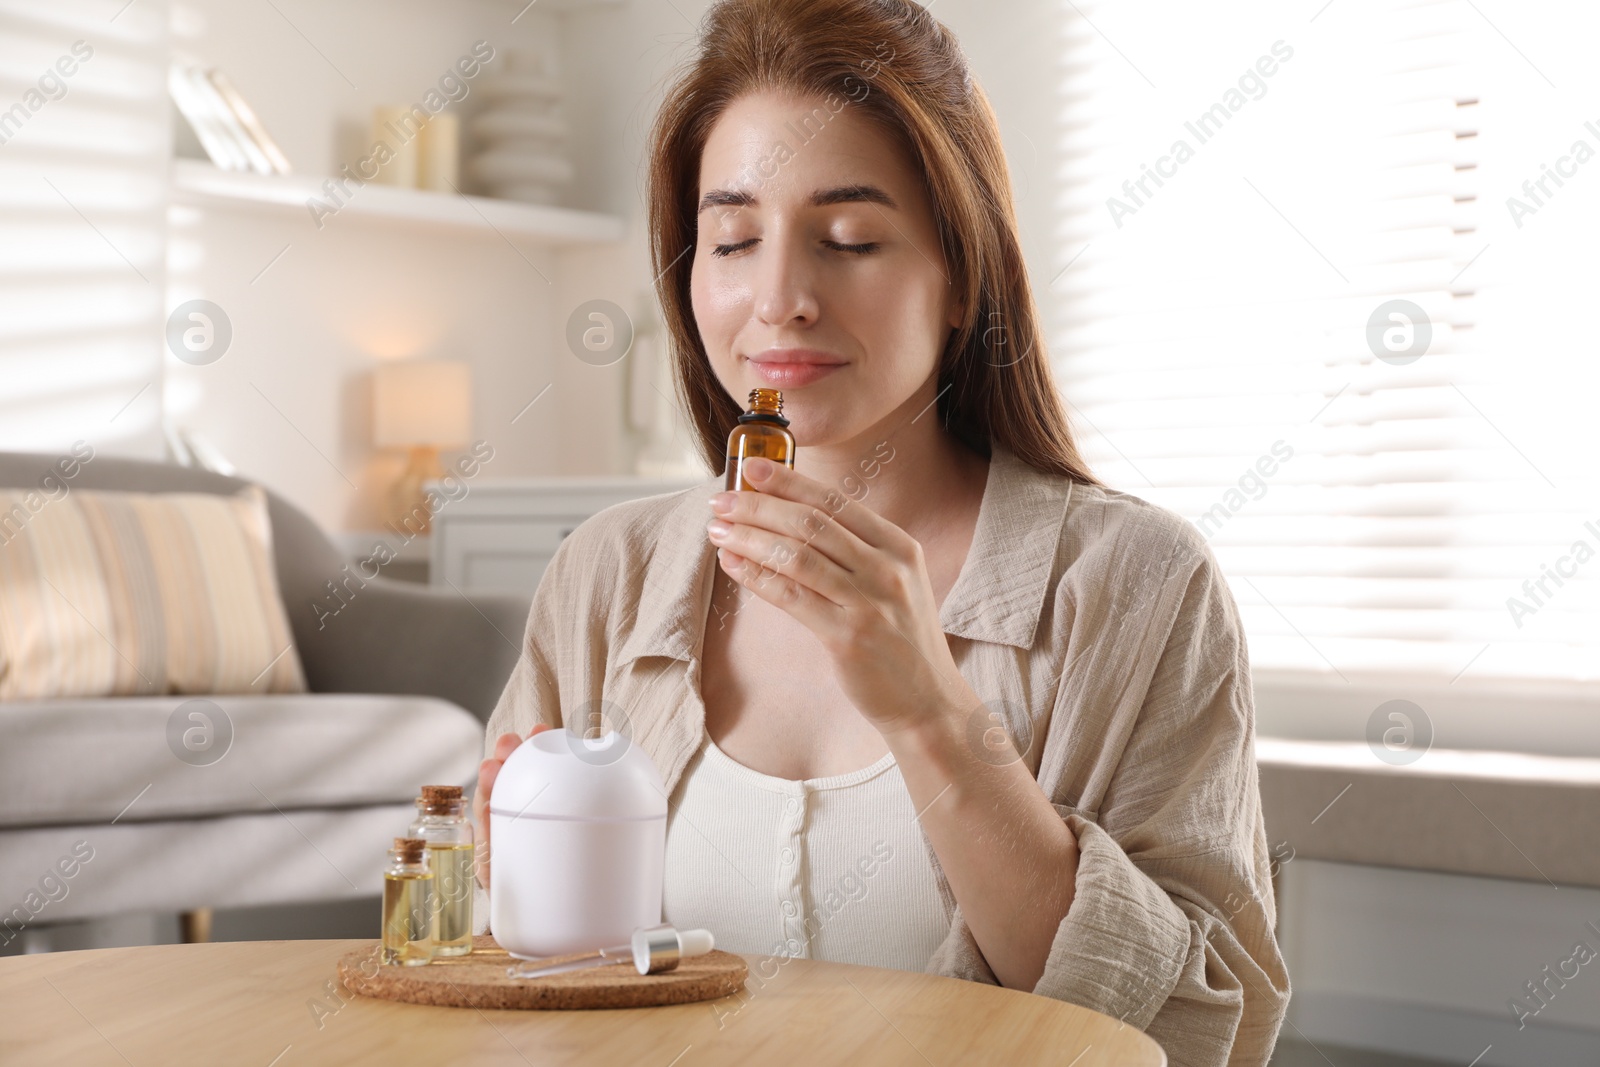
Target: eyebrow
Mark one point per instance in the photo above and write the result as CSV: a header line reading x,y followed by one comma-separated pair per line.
x,y
859,192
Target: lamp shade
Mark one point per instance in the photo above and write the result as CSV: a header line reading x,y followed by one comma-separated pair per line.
x,y
422,402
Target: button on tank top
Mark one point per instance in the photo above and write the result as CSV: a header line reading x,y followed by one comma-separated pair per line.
x,y
831,868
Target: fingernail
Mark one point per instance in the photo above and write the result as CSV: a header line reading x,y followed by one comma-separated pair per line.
x,y
757,468
717,529
722,503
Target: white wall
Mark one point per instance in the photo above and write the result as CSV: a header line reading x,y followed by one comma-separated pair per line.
x,y
288,403
1426,964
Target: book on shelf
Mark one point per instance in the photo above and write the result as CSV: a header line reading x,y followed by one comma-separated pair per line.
x,y
223,121
257,135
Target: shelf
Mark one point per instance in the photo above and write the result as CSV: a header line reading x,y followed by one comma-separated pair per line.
x,y
201,184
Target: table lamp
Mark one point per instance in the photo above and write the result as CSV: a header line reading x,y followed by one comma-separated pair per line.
x,y
421,405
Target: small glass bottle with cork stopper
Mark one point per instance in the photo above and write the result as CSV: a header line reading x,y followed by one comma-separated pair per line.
x,y
409,918
762,431
442,822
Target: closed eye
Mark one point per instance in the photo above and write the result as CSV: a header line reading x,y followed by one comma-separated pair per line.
x,y
860,250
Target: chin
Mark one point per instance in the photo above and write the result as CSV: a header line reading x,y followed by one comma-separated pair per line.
x,y
815,429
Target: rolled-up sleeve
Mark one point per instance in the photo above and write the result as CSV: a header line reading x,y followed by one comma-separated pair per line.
x,y
1170,928
1143,943
1115,949
1171,925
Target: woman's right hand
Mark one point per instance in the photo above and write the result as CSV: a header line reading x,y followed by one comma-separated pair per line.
x,y
488,771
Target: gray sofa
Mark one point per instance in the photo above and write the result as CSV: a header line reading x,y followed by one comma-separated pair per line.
x,y
303,805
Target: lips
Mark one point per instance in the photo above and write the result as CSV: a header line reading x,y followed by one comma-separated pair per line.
x,y
793,375
790,368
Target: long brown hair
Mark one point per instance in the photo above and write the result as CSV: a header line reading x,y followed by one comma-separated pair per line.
x,y
893,59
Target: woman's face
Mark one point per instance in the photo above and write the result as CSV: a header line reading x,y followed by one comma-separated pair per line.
x,y
817,243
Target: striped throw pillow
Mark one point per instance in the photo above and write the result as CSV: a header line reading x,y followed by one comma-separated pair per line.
x,y
130,594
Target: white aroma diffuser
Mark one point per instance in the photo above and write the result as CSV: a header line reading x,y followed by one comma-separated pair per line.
x,y
578,828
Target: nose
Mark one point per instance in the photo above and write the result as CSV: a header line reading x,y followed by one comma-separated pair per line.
x,y
785,285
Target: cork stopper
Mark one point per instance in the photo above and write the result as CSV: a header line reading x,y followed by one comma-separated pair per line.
x,y
766,401
440,799
409,849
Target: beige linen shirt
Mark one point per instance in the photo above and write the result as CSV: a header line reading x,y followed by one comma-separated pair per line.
x,y
1099,627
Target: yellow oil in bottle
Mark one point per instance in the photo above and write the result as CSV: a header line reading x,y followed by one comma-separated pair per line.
x,y
442,822
762,431
410,916
453,882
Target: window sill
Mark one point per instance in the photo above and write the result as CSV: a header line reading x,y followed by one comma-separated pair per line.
x,y
1532,717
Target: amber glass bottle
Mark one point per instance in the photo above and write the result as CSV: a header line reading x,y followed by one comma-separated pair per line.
x,y
762,431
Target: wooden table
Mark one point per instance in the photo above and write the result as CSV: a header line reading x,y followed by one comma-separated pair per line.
x,y
278,1003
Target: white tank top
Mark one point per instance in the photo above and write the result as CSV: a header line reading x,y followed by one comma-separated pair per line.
x,y
829,868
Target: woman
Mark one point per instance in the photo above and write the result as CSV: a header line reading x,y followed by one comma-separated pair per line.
x,y
936,698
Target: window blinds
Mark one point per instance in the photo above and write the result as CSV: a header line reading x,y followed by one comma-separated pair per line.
x,y
84,147
1294,305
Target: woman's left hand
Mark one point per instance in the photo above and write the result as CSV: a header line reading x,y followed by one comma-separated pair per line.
x,y
854,579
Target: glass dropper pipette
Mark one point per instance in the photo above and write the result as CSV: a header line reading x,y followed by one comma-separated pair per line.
x,y
654,949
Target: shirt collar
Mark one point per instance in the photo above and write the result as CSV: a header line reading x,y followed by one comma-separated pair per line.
x,y
997,597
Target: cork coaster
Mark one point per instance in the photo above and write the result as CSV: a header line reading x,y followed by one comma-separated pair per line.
x,y
479,980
